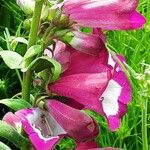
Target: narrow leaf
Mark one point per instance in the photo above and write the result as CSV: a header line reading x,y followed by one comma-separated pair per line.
x,y
11,59
9,133
20,40
16,104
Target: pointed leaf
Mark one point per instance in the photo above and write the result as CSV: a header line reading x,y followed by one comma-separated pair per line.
x,y
11,59
32,51
20,40
9,133
43,63
16,104
4,146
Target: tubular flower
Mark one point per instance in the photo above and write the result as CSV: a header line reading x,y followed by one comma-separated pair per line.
x,y
46,128
96,87
86,43
77,125
42,129
106,14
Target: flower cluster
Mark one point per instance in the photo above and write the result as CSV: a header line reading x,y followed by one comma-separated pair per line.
x,y
90,80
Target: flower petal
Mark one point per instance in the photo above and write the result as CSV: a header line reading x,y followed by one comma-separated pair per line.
x,y
103,6
86,43
110,21
97,63
44,132
85,88
13,120
78,125
115,99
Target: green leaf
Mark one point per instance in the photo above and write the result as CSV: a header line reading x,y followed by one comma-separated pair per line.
x,y
9,133
16,104
11,59
43,63
18,40
32,51
4,146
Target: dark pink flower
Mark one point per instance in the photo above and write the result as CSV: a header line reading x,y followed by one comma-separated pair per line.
x,y
13,120
46,128
86,43
91,82
110,15
77,124
61,53
85,88
42,129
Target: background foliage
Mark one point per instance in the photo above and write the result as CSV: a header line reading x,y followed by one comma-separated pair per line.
x,y
134,45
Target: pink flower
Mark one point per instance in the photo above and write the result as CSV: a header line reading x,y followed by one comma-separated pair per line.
x,y
77,124
61,53
46,128
110,15
92,83
86,43
85,88
13,120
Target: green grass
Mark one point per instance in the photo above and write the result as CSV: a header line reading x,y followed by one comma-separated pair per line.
x,y
134,45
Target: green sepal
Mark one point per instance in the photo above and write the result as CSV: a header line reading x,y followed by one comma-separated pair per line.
x,y
9,133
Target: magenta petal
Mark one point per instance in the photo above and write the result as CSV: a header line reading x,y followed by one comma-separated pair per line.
x,y
113,123
41,144
115,99
114,64
99,32
87,145
42,129
96,63
78,125
86,43
112,21
91,6
12,120
85,88
122,80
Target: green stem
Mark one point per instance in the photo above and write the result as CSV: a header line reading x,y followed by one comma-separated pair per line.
x,y
27,76
144,126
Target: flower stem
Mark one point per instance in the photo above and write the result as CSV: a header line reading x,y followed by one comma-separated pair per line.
x,y
27,76
144,126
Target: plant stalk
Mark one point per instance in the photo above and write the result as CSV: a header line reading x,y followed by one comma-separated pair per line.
x,y
144,126
27,76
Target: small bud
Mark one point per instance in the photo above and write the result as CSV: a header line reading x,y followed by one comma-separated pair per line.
x,y
27,24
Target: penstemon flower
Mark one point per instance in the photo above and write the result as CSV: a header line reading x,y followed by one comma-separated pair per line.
x,y
100,87
106,14
90,78
46,128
